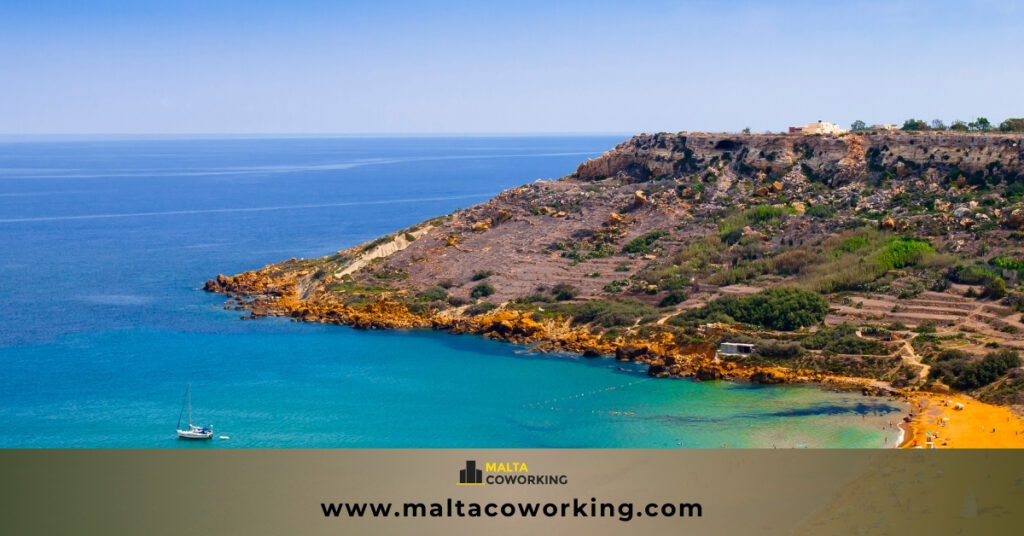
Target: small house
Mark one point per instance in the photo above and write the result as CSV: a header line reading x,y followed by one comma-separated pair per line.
x,y
735,348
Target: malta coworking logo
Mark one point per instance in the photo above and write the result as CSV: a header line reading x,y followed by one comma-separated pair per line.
x,y
505,473
471,476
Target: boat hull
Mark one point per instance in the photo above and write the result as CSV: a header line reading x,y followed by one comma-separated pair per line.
x,y
190,434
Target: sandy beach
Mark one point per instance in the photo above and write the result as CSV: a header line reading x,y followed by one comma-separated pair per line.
x,y
938,423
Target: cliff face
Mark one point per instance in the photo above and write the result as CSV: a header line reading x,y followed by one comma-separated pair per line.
x,y
839,159
615,254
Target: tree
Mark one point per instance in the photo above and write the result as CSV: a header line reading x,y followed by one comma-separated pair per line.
x,y
937,124
995,289
1013,124
564,291
914,125
959,126
981,124
858,125
746,130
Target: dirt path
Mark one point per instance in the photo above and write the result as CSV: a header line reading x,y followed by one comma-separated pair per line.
x,y
910,357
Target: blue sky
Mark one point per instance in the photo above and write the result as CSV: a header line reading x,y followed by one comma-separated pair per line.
x,y
514,67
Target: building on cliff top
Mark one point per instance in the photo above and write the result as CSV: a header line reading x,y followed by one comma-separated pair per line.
x,y
817,127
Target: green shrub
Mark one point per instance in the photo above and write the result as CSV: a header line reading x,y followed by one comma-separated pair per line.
x,y
731,236
860,258
925,327
784,309
1007,263
482,290
773,350
433,293
951,355
643,243
819,339
674,297
793,261
482,274
564,291
967,375
970,275
994,289
852,344
730,230
616,286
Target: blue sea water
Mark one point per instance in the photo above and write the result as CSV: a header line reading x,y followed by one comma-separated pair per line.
x,y
104,245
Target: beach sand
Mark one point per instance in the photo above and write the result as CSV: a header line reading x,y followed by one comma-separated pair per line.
x,y
977,425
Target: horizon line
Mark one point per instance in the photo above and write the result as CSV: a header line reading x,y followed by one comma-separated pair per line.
x,y
25,136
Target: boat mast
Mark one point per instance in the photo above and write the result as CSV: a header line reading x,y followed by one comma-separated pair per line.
x,y
188,388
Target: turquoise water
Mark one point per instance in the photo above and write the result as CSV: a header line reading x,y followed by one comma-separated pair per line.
x,y
104,245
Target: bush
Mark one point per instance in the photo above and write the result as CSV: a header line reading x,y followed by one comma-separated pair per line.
x,y
1013,124
861,257
457,301
731,236
852,344
995,289
482,290
433,293
616,286
966,375
674,297
564,291
482,274
793,261
951,355
778,350
784,309
606,313
925,327
970,275
643,243
914,125
819,339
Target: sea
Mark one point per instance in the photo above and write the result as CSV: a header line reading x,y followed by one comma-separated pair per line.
x,y
105,244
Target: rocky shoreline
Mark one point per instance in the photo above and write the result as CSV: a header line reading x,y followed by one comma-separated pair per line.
x,y
265,295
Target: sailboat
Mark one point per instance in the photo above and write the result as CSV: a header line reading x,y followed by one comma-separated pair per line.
x,y
193,431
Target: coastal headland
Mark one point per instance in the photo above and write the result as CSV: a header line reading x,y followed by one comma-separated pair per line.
x,y
885,262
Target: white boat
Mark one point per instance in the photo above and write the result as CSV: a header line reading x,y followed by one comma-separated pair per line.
x,y
193,431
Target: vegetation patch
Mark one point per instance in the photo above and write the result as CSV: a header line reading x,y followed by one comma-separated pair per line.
x,y
606,313
784,309
645,243
482,290
966,375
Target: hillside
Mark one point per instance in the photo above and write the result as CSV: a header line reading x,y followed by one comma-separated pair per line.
x,y
891,257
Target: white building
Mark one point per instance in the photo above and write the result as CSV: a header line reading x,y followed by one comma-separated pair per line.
x,y
735,348
817,127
